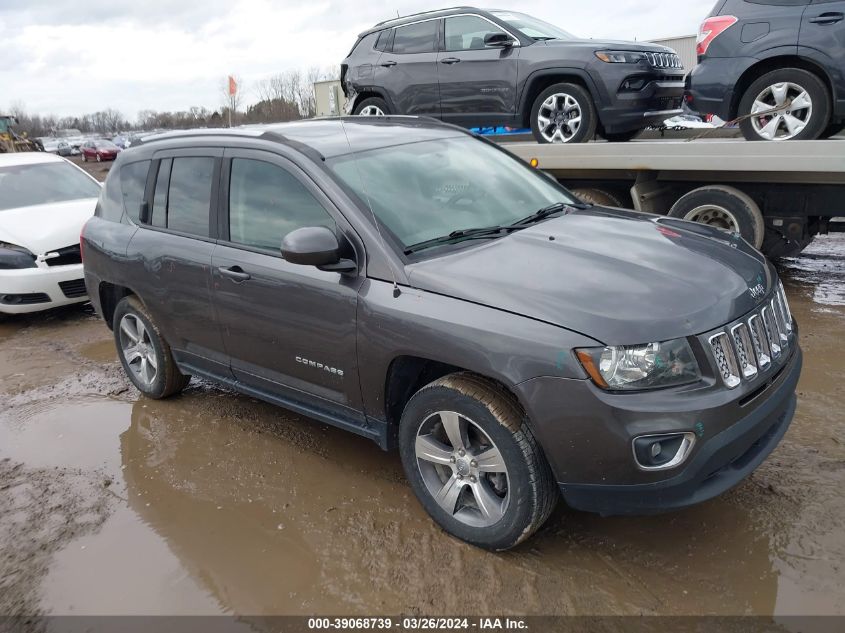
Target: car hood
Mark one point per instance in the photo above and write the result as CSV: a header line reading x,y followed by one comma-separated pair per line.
x,y
46,227
619,277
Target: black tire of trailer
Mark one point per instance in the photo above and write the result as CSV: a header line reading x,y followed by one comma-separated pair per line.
x,y
598,197
723,200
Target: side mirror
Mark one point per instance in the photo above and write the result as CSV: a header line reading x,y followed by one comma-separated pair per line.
x,y
498,40
315,246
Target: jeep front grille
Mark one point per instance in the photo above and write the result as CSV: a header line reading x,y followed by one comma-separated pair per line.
x,y
664,60
745,349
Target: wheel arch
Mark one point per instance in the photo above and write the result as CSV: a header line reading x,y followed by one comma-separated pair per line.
x,y
539,80
110,295
367,93
407,374
777,62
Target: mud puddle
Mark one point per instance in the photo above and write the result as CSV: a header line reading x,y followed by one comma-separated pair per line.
x,y
212,502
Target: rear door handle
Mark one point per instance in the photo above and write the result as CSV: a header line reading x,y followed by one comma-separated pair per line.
x,y
450,60
828,18
388,64
235,273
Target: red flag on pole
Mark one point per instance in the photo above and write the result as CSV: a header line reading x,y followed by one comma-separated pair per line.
x,y
233,86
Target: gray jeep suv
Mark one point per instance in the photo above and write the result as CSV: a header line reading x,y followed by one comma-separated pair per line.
x,y
405,281
480,68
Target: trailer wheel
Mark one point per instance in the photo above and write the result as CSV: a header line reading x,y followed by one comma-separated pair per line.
x,y
725,208
597,196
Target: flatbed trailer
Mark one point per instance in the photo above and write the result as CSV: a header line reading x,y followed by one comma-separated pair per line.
x,y
778,195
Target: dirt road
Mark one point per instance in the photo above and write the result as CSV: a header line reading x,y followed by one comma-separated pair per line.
x,y
212,502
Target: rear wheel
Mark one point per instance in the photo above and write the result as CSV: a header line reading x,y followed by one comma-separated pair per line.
x,y
800,101
724,207
143,352
372,106
563,113
473,462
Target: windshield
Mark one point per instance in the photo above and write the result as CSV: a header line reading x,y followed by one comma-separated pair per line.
x,y
422,191
532,27
28,185
104,145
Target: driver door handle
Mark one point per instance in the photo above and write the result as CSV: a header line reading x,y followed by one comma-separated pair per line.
x,y
828,18
235,273
450,60
388,64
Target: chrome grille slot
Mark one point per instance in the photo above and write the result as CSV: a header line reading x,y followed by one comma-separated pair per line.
x,y
744,350
725,359
761,343
780,322
784,304
771,331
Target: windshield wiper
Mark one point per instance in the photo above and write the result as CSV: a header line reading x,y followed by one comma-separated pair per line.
x,y
465,234
550,210
543,38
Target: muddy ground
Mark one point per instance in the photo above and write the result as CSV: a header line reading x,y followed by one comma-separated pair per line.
x,y
211,502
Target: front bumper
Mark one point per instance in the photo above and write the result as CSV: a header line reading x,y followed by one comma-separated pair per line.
x,y
659,99
590,448
35,289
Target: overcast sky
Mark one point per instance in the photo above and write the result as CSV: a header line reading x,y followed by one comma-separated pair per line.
x,y
69,58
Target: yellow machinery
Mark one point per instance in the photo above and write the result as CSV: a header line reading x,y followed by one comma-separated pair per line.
x,y
12,142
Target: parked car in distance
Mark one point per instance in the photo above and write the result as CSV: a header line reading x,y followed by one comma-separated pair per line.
x,y
44,201
781,61
481,68
441,296
99,150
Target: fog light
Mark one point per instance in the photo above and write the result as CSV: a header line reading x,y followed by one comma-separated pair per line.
x,y
661,452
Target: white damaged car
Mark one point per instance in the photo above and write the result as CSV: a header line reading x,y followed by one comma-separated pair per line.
x,y
44,202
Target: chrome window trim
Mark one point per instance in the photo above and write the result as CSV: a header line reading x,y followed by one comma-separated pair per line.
x,y
517,43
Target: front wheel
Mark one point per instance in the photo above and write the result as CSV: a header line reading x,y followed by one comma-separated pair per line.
x,y
786,104
473,463
563,113
144,354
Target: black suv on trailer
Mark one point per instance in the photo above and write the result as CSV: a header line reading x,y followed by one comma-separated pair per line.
x,y
782,60
480,68
400,279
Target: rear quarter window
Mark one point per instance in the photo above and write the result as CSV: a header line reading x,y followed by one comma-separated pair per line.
x,y
133,179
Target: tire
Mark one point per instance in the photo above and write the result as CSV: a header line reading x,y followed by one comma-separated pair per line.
x,y
832,130
167,379
598,197
571,100
519,501
621,137
723,207
372,106
797,84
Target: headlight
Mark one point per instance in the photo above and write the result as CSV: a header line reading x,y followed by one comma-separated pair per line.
x,y
620,57
631,367
13,257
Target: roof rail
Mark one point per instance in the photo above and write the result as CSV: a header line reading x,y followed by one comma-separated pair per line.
x,y
421,13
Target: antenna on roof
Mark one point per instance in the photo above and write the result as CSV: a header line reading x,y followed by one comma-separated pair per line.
x,y
397,13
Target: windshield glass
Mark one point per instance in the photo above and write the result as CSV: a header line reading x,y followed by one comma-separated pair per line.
x,y
532,27
421,191
28,185
104,145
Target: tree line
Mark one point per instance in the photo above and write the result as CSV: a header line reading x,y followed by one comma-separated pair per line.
x,y
285,96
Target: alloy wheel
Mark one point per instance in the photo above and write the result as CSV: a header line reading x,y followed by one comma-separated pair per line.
x,y
462,468
785,123
371,110
559,118
714,215
137,349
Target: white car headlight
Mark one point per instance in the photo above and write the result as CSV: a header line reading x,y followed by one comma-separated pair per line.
x,y
634,367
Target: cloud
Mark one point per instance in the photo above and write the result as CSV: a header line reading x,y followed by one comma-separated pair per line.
x,y
72,58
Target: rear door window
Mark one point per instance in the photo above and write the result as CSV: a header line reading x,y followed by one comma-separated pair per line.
x,y
182,198
416,38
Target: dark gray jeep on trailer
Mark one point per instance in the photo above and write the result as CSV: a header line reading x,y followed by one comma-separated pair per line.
x,y
403,280
480,68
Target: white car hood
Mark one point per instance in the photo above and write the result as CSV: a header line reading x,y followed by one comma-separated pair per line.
x,y
46,227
